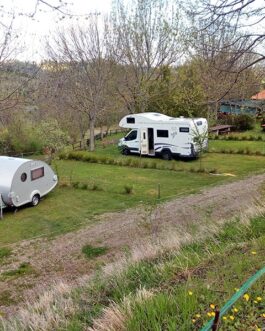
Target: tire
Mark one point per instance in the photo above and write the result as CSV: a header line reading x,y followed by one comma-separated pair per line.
x,y
35,200
125,151
166,155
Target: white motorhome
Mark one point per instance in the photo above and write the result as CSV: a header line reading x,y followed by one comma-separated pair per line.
x,y
156,134
24,181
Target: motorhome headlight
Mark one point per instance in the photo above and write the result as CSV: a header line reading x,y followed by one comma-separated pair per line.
x,y
55,178
121,142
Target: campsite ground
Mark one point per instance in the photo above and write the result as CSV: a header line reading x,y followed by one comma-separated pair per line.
x,y
97,214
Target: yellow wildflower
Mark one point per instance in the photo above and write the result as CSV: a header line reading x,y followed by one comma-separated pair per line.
x,y
209,314
258,298
224,318
231,317
255,301
235,310
213,313
212,306
262,315
253,252
198,315
190,292
246,297
194,320
258,329
236,289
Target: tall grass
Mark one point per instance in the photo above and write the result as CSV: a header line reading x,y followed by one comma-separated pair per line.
x,y
148,286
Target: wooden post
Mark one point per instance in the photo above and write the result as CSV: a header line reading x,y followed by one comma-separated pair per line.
x,y
216,320
158,191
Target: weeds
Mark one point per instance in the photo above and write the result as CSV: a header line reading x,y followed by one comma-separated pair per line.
x,y
90,252
5,252
23,269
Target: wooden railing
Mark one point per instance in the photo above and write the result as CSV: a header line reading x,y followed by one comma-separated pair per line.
x,y
79,144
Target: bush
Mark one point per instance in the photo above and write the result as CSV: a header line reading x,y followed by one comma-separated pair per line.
x,y
128,189
84,186
244,122
75,184
95,187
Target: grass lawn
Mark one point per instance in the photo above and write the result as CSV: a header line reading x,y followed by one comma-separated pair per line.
x,y
68,208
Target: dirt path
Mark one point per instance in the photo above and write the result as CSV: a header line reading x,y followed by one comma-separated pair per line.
x,y
61,258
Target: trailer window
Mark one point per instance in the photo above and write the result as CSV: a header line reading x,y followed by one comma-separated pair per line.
x,y
23,177
184,129
199,123
130,120
37,173
162,133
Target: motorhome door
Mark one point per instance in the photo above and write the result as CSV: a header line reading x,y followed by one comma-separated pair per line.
x,y
144,142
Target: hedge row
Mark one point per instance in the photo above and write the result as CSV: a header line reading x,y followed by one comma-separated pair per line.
x,y
241,151
237,137
130,162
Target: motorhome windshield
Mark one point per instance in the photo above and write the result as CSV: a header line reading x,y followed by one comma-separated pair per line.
x,y
132,135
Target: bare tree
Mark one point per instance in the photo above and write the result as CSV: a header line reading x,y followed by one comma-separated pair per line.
x,y
84,59
146,37
245,22
218,52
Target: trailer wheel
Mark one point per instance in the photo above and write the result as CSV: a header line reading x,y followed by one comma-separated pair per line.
x,y
35,200
166,155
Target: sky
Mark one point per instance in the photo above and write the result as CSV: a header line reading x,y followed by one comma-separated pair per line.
x,y
32,31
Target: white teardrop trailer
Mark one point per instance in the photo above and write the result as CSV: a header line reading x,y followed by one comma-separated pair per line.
x,y
24,181
156,134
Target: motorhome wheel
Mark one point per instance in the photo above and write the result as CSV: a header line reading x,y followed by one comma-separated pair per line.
x,y
166,155
126,151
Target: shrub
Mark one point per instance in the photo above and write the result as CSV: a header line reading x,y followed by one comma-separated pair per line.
x,y
84,186
75,184
128,189
244,122
95,187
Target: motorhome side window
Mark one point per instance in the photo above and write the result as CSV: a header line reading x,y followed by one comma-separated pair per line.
x,y
37,173
162,133
132,135
184,129
130,120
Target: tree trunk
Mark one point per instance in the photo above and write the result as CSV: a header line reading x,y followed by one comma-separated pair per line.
x,y
101,133
92,135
